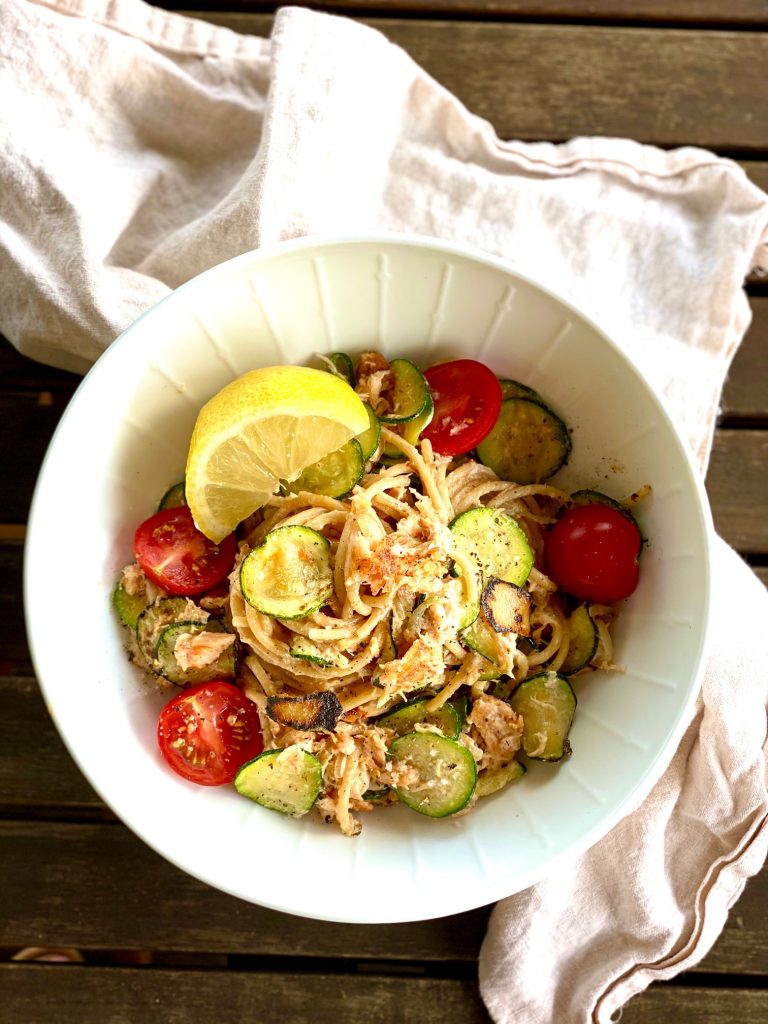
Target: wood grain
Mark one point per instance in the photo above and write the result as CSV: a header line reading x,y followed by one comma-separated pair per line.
x,y
77,896
737,486
29,419
97,886
554,82
672,1004
667,12
39,994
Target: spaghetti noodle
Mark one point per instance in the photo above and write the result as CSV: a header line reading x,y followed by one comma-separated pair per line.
x,y
391,549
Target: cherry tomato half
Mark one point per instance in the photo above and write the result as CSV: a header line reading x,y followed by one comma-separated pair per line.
x,y
177,556
467,399
208,731
591,552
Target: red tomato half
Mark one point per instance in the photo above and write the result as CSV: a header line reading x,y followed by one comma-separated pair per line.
x,y
467,399
208,731
177,556
591,552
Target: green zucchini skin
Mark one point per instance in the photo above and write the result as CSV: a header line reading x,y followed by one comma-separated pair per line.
x,y
515,389
307,650
405,716
411,430
288,575
411,394
591,497
481,638
582,644
157,616
224,667
334,475
491,782
342,365
287,780
447,770
495,542
370,439
528,443
174,497
128,606
547,703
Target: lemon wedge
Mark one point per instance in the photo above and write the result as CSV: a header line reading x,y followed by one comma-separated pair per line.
x,y
268,425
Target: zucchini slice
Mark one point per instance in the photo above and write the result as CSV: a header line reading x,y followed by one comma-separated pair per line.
x,y
411,430
320,710
334,475
405,717
507,607
528,442
410,392
370,439
342,366
289,574
288,780
447,773
495,542
590,497
174,497
307,650
492,781
129,606
514,389
388,648
582,641
482,638
224,666
157,616
380,797
547,704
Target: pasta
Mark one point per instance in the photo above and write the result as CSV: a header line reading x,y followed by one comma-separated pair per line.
x,y
392,548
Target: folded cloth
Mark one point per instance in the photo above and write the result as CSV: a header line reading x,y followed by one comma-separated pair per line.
x,y
140,147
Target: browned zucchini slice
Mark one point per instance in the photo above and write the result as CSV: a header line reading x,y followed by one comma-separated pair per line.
x,y
320,710
507,607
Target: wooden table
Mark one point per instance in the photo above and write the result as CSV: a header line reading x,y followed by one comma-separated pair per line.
x,y
159,946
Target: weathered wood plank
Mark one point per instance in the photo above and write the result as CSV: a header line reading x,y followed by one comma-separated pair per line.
x,y
29,419
77,896
745,394
667,12
757,172
37,774
14,651
39,994
737,486
679,87
72,885
662,1004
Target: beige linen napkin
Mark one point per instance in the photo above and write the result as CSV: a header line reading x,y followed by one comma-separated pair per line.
x,y
138,148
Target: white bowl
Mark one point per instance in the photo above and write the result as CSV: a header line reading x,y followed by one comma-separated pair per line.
x,y
123,440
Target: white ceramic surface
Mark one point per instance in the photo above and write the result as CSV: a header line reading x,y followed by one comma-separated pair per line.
x,y
123,440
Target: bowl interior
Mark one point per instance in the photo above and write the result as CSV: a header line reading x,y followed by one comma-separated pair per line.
x,y
133,415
